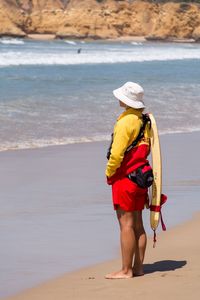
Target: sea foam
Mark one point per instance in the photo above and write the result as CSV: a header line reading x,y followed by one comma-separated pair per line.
x,y
96,56
11,41
41,143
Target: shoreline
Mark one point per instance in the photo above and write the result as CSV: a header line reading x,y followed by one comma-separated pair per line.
x,y
176,266
50,37
89,141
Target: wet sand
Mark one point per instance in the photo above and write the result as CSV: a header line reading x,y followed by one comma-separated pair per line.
x,y
56,217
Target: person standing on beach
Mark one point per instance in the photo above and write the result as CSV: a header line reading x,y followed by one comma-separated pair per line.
x,y
128,198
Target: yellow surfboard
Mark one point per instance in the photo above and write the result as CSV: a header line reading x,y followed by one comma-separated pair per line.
x,y
155,198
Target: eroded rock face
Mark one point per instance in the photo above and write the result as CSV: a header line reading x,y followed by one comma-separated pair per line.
x,y
196,34
9,14
100,18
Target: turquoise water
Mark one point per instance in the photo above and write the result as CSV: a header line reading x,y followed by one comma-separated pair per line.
x,y
51,95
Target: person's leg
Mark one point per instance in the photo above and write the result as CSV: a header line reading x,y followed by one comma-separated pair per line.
x,y
141,241
127,239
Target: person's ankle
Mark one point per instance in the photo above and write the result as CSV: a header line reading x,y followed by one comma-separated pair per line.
x,y
138,269
127,270
138,265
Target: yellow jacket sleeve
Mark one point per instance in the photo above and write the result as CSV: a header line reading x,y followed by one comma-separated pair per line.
x,y
125,132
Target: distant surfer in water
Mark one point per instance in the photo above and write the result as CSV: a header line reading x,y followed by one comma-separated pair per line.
x,y
79,50
123,163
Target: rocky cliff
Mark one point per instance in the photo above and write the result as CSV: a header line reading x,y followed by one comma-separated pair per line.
x,y
100,18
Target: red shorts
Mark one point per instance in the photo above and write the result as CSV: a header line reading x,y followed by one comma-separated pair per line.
x,y
128,195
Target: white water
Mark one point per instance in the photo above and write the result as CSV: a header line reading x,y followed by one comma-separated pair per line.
x,y
41,143
11,41
70,42
96,55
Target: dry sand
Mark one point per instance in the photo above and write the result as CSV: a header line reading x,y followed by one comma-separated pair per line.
x,y
128,39
172,270
46,37
42,37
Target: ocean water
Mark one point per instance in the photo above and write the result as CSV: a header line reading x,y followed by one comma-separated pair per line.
x,y
51,95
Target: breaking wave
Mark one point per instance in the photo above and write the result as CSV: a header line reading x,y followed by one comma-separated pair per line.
x,y
96,56
11,41
41,143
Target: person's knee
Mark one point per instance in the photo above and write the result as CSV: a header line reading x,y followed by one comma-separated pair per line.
x,y
126,227
127,224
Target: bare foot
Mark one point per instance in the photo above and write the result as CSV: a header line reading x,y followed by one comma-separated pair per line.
x,y
120,275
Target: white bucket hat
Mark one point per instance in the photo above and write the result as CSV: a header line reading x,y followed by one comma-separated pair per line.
x,y
131,94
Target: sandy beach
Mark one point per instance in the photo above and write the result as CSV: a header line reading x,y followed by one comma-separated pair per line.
x,y
124,39
57,219
41,37
172,270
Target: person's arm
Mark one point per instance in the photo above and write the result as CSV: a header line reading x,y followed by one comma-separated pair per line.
x,y
125,130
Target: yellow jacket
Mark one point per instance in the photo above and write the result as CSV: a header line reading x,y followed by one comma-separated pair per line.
x,y
126,131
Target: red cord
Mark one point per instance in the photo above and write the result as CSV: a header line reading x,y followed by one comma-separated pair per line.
x,y
154,239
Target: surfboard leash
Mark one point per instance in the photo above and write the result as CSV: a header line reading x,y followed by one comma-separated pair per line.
x,y
154,238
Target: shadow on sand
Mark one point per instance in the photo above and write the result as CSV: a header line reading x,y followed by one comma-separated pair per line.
x,y
164,265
